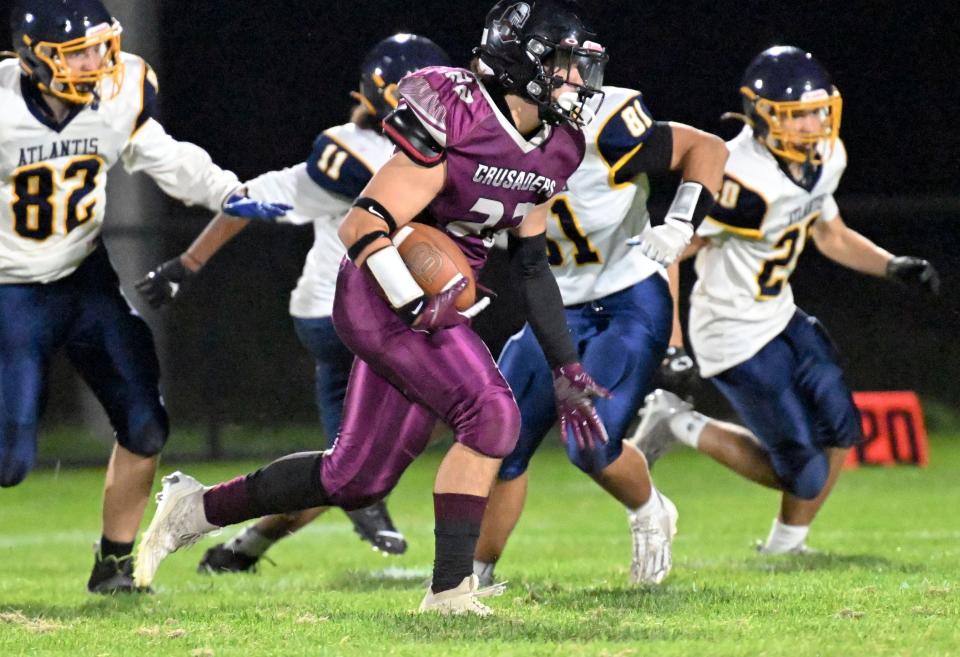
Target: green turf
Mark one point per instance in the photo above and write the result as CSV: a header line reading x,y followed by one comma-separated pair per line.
x,y
888,582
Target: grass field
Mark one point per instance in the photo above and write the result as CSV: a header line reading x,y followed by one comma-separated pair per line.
x,y
887,583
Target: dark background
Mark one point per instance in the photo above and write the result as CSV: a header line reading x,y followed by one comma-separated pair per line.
x,y
254,82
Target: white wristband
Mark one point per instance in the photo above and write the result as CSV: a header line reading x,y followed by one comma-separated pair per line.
x,y
685,201
392,274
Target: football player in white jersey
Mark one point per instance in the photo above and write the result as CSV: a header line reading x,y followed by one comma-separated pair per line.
x,y
620,312
73,106
776,365
340,165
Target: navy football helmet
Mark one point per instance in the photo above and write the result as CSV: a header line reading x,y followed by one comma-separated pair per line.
x,y
792,104
47,34
387,63
529,46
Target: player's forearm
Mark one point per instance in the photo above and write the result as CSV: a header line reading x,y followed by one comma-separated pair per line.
x,y
181,169
851,249
218,232
542,299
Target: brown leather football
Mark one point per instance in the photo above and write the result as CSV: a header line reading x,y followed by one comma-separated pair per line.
x,y
434,260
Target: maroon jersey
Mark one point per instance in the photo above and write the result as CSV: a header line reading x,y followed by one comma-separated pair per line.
x,y
494,174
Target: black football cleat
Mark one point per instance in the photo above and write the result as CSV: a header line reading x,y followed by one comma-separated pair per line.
x,y
112,574
221,559
374,525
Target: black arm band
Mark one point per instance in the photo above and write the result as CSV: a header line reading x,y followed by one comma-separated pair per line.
x,y
654,157
541,296
373,207
364,242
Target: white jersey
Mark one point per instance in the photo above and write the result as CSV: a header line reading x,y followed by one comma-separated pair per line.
x,y
754,236
53,177
321,191
593,218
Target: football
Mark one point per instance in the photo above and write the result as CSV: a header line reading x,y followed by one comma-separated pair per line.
x,y
434,260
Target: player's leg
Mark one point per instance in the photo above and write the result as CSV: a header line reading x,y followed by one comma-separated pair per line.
x,y
333,363
525,368
30,321
382,432
452,373
828,397
667,420
113,350
373,523
242,553
624,347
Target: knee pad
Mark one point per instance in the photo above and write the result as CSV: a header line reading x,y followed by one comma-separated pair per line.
x,y
491,424
511,468
149,438
595,460
18,453
805,479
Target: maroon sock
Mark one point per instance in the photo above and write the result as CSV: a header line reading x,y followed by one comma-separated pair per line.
x,y
457,528
228,503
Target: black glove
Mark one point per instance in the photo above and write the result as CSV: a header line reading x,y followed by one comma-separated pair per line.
x,y
678,371
914,272
162,284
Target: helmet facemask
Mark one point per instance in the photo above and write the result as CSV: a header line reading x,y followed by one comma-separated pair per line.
x,y
580,67
777,117
79,88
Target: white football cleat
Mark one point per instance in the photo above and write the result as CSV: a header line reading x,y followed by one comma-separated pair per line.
x,y
179,521
652,536
653,436
461,600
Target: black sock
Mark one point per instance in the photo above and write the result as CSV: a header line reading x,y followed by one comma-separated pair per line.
x,y
288,484
457,528
111,548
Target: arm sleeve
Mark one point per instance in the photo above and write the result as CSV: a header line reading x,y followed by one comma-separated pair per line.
x,y
181,169
541,297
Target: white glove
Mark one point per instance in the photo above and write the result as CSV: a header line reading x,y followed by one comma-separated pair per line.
x,y
664,243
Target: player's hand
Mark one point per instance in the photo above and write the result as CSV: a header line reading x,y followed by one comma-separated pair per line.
x,y
429,314
161,285
916,272
574,390
678,371
242,207
664,243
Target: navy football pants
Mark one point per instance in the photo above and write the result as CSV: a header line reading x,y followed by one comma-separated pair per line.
x,y
106,341
793,397
621,340
333,363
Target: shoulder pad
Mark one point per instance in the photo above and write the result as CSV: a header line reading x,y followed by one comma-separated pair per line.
x,y
739,209
405,130
333,166
624,129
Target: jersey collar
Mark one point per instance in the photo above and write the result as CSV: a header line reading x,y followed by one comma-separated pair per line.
x,y
503,116
33,97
